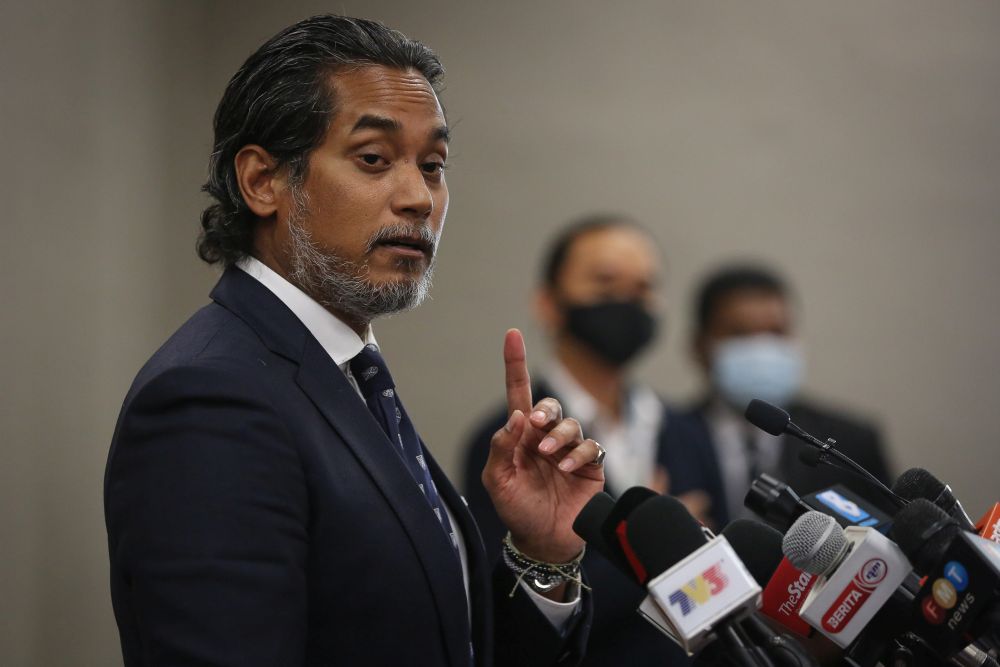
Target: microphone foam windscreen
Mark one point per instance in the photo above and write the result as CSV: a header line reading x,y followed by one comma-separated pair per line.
x,y
814,542
768,418
757,545
588,522
917,483
588,525
661,532
924,532
627,502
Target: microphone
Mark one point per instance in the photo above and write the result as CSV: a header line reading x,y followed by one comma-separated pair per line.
x,y
588,525
774,501
988,525
785,586
859,569
873,629
958,599
613,529
919,483
780,506
772,419
699,584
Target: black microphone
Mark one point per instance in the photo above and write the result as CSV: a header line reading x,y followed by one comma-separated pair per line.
x,y
759,547
588,525
779,505
700,584
772,419
613,528
774,501
785,586
919,483
958,601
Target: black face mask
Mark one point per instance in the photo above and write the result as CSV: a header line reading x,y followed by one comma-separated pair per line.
x,y
614,330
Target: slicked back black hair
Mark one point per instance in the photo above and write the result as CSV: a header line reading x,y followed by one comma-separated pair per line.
x,y
558,252
281,100
729,280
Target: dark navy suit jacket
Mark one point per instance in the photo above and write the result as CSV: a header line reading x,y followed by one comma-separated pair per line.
x,y
619,636
258,515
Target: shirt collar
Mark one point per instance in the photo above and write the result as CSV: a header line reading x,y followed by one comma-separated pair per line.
x,y
576,401
339,340
641,403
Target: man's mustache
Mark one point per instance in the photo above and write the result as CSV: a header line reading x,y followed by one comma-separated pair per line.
x,y
418,236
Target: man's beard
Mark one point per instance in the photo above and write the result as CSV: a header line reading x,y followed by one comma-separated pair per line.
x,y
344,286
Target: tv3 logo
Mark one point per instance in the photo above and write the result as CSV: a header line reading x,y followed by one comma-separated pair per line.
x,y
852,598
700,590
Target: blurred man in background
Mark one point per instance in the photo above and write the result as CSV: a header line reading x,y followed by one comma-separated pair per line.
x,y
745,344
598,303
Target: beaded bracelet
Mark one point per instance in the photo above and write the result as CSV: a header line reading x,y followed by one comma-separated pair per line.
x,y
543,576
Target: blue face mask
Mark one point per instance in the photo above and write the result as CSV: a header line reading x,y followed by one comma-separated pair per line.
x,y
764,366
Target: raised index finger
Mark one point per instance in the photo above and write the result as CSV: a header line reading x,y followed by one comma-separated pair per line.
x,y
516,367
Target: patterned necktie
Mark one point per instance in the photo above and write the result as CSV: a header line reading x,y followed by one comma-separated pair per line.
x,y
376,385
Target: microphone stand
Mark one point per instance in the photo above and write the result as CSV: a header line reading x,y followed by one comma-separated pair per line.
x,y
827,449
772,419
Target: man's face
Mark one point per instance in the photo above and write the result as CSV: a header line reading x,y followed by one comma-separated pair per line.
x,y
361,231
741,314
610,264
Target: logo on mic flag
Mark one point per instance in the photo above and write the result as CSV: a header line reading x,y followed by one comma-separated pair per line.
x,y
700,590
937,606
846,508
853,597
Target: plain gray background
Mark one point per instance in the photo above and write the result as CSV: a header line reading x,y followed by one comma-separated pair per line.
x,y
856,145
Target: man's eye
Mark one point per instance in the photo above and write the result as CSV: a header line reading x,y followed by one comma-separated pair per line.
x,y
433,167
371,159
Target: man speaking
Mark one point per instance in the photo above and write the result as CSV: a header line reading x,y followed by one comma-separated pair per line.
x,y
268,500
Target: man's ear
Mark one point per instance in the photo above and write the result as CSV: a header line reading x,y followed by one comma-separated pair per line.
x,y
702,354
259,179
547,310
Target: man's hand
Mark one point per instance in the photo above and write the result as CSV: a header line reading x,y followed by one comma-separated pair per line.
x,y
538,473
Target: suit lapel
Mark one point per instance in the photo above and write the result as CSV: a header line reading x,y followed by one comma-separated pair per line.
x,y
334,397
325,385
712,469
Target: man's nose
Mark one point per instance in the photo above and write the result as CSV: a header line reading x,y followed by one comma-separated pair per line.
x,y
413,196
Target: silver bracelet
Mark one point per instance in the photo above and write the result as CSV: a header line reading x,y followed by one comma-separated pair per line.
x,y
540,576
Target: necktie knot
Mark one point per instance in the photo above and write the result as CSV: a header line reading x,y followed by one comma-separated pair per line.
x,y
371,373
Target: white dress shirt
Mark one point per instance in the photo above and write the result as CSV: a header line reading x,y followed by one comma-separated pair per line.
x,y
732,436
631,442
342,343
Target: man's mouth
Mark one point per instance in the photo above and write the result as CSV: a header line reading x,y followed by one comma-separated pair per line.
x,y
410,245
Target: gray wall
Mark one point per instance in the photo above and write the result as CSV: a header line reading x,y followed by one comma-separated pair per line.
x,y
856,145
